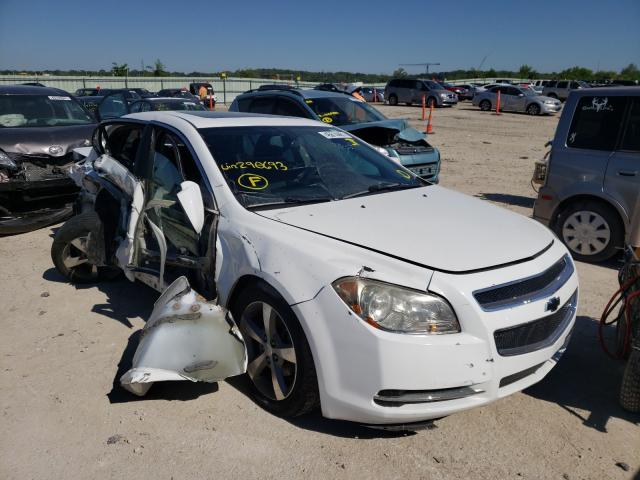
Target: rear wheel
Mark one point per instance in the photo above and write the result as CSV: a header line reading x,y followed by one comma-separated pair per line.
x,y
69,250
630,389
393,100
553,95
533,109
592,231
485,105
280,370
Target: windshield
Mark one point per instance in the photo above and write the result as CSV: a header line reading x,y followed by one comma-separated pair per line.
x,y
343,110
432,85
273,166
41,111
529,92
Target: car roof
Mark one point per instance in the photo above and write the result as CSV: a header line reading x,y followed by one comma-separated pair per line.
x,y
30,90
296,93
609,91
207,119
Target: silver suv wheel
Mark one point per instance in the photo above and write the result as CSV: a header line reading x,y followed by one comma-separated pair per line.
x,y
586,232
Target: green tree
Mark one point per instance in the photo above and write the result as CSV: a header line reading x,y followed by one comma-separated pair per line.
x,y
630,72
491,73
576,73
527,71
158,69
121,70
399,73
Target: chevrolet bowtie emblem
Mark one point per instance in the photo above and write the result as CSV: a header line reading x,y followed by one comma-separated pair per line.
x,y
552,305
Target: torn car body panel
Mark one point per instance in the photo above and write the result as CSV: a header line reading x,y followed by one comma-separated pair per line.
x,y
186,338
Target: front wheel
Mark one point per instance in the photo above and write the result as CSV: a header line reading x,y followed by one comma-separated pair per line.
x,y
485,105
393,100
280,370
533,109
592,231
69,250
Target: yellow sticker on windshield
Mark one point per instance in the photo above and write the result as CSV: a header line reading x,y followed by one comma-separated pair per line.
x,y
351,141
327,119
404,174
309,101
252,181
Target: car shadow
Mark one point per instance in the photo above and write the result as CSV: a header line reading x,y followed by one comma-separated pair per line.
x,y
586,381
125,299
315,422
508,199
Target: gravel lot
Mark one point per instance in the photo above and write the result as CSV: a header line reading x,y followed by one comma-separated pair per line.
x,y
63,348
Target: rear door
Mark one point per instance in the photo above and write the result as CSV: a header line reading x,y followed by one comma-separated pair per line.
x,y
622,180
590,142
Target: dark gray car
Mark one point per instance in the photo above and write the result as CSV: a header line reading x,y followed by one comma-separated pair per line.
x,y
403,90
592,177
39,128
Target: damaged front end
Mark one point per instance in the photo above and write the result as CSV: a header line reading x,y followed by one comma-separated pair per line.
x,y
403,143
186,338
34,191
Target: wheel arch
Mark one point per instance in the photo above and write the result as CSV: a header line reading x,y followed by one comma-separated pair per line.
x,y
583,197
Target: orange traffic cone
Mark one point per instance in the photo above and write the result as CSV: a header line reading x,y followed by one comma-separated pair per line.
x,y
429,128
497,112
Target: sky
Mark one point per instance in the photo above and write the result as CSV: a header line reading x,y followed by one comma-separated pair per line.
x,y
370,37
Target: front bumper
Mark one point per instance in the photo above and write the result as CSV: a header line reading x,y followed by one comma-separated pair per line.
x,y
29,205
358,366
550,108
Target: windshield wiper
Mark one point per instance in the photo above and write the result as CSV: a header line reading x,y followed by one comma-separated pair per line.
x,y
382,187
291,201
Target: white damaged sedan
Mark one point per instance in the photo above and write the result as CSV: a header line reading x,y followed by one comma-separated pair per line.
x,y
355,285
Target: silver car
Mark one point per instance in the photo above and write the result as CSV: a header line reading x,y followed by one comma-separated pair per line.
x,y
409,91
561,89
516,99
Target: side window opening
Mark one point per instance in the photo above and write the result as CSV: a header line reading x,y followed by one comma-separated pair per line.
x,y
122,142
631,139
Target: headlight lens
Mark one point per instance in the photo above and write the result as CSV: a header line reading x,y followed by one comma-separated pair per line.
x,y
549,102
6,162
397,309
444,95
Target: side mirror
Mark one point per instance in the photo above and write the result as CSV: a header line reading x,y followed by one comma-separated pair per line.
x,y
190,198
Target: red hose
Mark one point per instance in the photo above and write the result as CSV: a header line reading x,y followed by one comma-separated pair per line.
x,y
607,311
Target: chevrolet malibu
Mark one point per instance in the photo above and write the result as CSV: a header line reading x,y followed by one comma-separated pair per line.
x,y
353,285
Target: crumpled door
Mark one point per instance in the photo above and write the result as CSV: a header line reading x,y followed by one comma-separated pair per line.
x,y
186,338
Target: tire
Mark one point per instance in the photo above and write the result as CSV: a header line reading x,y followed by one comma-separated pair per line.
x,y
69,256
553,95
393,100
485,105
533,109
408,104
432,101
297,391
630,389
592,231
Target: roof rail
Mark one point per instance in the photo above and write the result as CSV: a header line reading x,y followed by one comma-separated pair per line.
x,y
281,87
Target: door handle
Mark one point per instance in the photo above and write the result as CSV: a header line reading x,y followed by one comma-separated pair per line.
x,y
627,173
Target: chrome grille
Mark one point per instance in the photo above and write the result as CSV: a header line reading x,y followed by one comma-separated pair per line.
x,y
532,336
525,290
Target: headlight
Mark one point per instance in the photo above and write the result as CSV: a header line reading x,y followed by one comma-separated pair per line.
x,y
444,95
396,309
6,162
550,102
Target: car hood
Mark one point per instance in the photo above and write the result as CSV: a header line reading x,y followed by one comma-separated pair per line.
x,y
385,132
544,98
431,226
37,140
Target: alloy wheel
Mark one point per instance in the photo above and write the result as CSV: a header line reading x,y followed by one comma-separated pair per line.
x,y
586,232
272,362
74,257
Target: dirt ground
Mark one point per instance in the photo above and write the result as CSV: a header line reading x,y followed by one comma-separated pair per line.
x,y
63,348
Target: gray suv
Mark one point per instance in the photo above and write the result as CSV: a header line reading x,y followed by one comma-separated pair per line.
x,y
591,181
403,90
560,89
